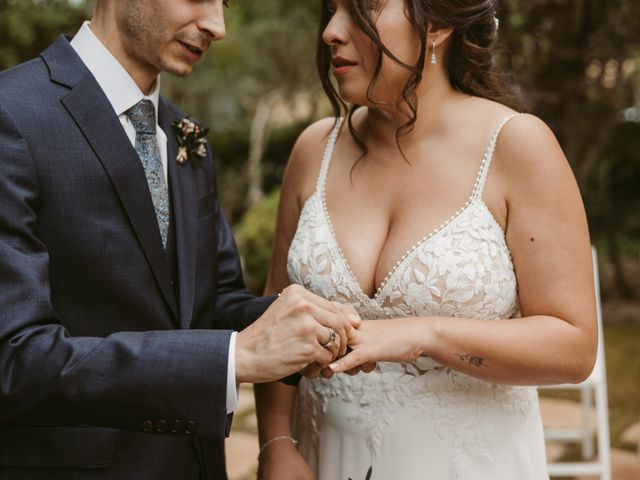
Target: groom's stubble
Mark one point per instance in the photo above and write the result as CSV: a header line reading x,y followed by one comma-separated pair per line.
x,y
146,30
153,36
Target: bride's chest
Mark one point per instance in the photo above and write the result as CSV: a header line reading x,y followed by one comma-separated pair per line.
x,y
462,267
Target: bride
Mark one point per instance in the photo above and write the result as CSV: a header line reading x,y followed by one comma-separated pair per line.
x,y
455,228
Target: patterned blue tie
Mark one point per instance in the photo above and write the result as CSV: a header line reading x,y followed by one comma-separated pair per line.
x,y
143,117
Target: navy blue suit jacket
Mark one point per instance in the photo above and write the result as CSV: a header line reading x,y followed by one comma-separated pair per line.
x,y
107,370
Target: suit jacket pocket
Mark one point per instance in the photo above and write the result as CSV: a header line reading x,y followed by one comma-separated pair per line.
x,y
66,447
206,204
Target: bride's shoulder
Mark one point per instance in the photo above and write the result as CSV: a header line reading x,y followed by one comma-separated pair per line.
x,y
309,146
527,141
306,156
530,158
308,150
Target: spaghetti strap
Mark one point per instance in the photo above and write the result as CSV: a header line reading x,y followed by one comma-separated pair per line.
x,y
326,159
481,179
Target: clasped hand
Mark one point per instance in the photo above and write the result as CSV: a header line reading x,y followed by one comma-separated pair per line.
x,y
290,335
383,340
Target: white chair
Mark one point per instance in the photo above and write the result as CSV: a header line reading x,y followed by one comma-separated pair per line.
x,y
595,384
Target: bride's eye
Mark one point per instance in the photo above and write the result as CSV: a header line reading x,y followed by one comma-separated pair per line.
x,y
331,7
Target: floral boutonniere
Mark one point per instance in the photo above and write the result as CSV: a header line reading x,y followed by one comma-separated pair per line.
x,y
192,140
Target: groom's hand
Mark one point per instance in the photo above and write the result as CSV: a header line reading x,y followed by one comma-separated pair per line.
x,y
290,334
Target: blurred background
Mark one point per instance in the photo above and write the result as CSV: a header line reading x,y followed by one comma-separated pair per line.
x,y
576,63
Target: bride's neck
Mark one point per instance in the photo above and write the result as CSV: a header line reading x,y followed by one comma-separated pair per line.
x,y
434,99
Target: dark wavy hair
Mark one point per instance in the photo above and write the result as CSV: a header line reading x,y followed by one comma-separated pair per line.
x,y
469,59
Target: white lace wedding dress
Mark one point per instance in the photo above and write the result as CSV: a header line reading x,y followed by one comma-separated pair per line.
x,y
417,420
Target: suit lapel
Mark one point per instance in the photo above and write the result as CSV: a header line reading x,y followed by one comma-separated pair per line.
x,y
185,205
95,117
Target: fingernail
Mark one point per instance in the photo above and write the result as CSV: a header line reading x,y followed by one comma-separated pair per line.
x,y
354,318
333,366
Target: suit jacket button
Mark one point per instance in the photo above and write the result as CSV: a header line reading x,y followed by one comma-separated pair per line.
x,y
162,426
177,426
190,427
147,426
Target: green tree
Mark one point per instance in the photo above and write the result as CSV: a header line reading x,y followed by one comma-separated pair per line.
x,y
30,26
260,77
578,61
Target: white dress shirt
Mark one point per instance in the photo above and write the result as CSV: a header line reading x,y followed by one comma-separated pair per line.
x,y
123,93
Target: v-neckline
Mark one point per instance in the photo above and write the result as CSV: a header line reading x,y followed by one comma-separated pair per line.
x,y
321,190
399,263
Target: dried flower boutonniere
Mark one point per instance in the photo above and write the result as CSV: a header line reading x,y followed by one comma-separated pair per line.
x,y
192,140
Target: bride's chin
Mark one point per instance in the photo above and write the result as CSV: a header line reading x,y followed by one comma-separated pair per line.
x,y
352,94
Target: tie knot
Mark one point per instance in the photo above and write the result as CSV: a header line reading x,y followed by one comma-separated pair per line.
x,y
143,117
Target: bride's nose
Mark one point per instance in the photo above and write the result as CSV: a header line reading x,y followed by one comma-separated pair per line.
x,y
336,31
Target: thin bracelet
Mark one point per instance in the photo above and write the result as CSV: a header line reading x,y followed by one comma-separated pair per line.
x,y
279,437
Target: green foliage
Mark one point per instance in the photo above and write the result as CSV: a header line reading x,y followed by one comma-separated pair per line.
x,y
255,234
30,26
231,150
268,48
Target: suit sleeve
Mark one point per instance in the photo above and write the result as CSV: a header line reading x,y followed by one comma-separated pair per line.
x,y
236,307
139,381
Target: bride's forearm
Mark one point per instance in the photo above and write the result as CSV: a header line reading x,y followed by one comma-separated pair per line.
x,y
275,404
536,350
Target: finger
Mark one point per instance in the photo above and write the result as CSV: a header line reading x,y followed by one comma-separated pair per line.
x,y
326,372
323,356
327,337
324,322
328,313
349,361
339,310
352,314
369,367
312,370
354,371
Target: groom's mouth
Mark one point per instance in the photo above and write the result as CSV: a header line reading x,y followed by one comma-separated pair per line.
x,y
194,52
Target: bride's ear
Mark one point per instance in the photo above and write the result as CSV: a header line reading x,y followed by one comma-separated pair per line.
x,y
438,35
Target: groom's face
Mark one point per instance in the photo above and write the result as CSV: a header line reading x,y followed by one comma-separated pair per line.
x,y
170,35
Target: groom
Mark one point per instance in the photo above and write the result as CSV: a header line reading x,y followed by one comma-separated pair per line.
x,y
120,284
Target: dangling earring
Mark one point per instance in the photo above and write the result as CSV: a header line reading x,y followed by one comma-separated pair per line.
x,y
434,60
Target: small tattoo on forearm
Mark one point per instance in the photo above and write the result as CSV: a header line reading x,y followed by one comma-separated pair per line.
x,y
472,360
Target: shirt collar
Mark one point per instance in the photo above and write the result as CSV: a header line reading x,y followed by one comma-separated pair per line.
x,y
121,90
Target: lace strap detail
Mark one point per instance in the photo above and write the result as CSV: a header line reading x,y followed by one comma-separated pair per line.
x,y
481,180
326,159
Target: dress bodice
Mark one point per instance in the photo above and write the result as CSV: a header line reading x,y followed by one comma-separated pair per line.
x,y
463,268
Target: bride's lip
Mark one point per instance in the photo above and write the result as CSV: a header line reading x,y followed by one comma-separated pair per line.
x,y
342,65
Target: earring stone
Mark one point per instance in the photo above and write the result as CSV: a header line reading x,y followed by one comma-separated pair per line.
x,y
434,60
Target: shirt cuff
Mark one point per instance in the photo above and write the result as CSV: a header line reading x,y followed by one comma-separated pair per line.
x,y
232,387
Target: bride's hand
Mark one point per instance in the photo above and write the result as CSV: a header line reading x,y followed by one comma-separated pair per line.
x,y
282,461
316,370
394,340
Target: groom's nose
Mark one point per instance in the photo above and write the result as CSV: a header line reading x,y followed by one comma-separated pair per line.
x,y
211,21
